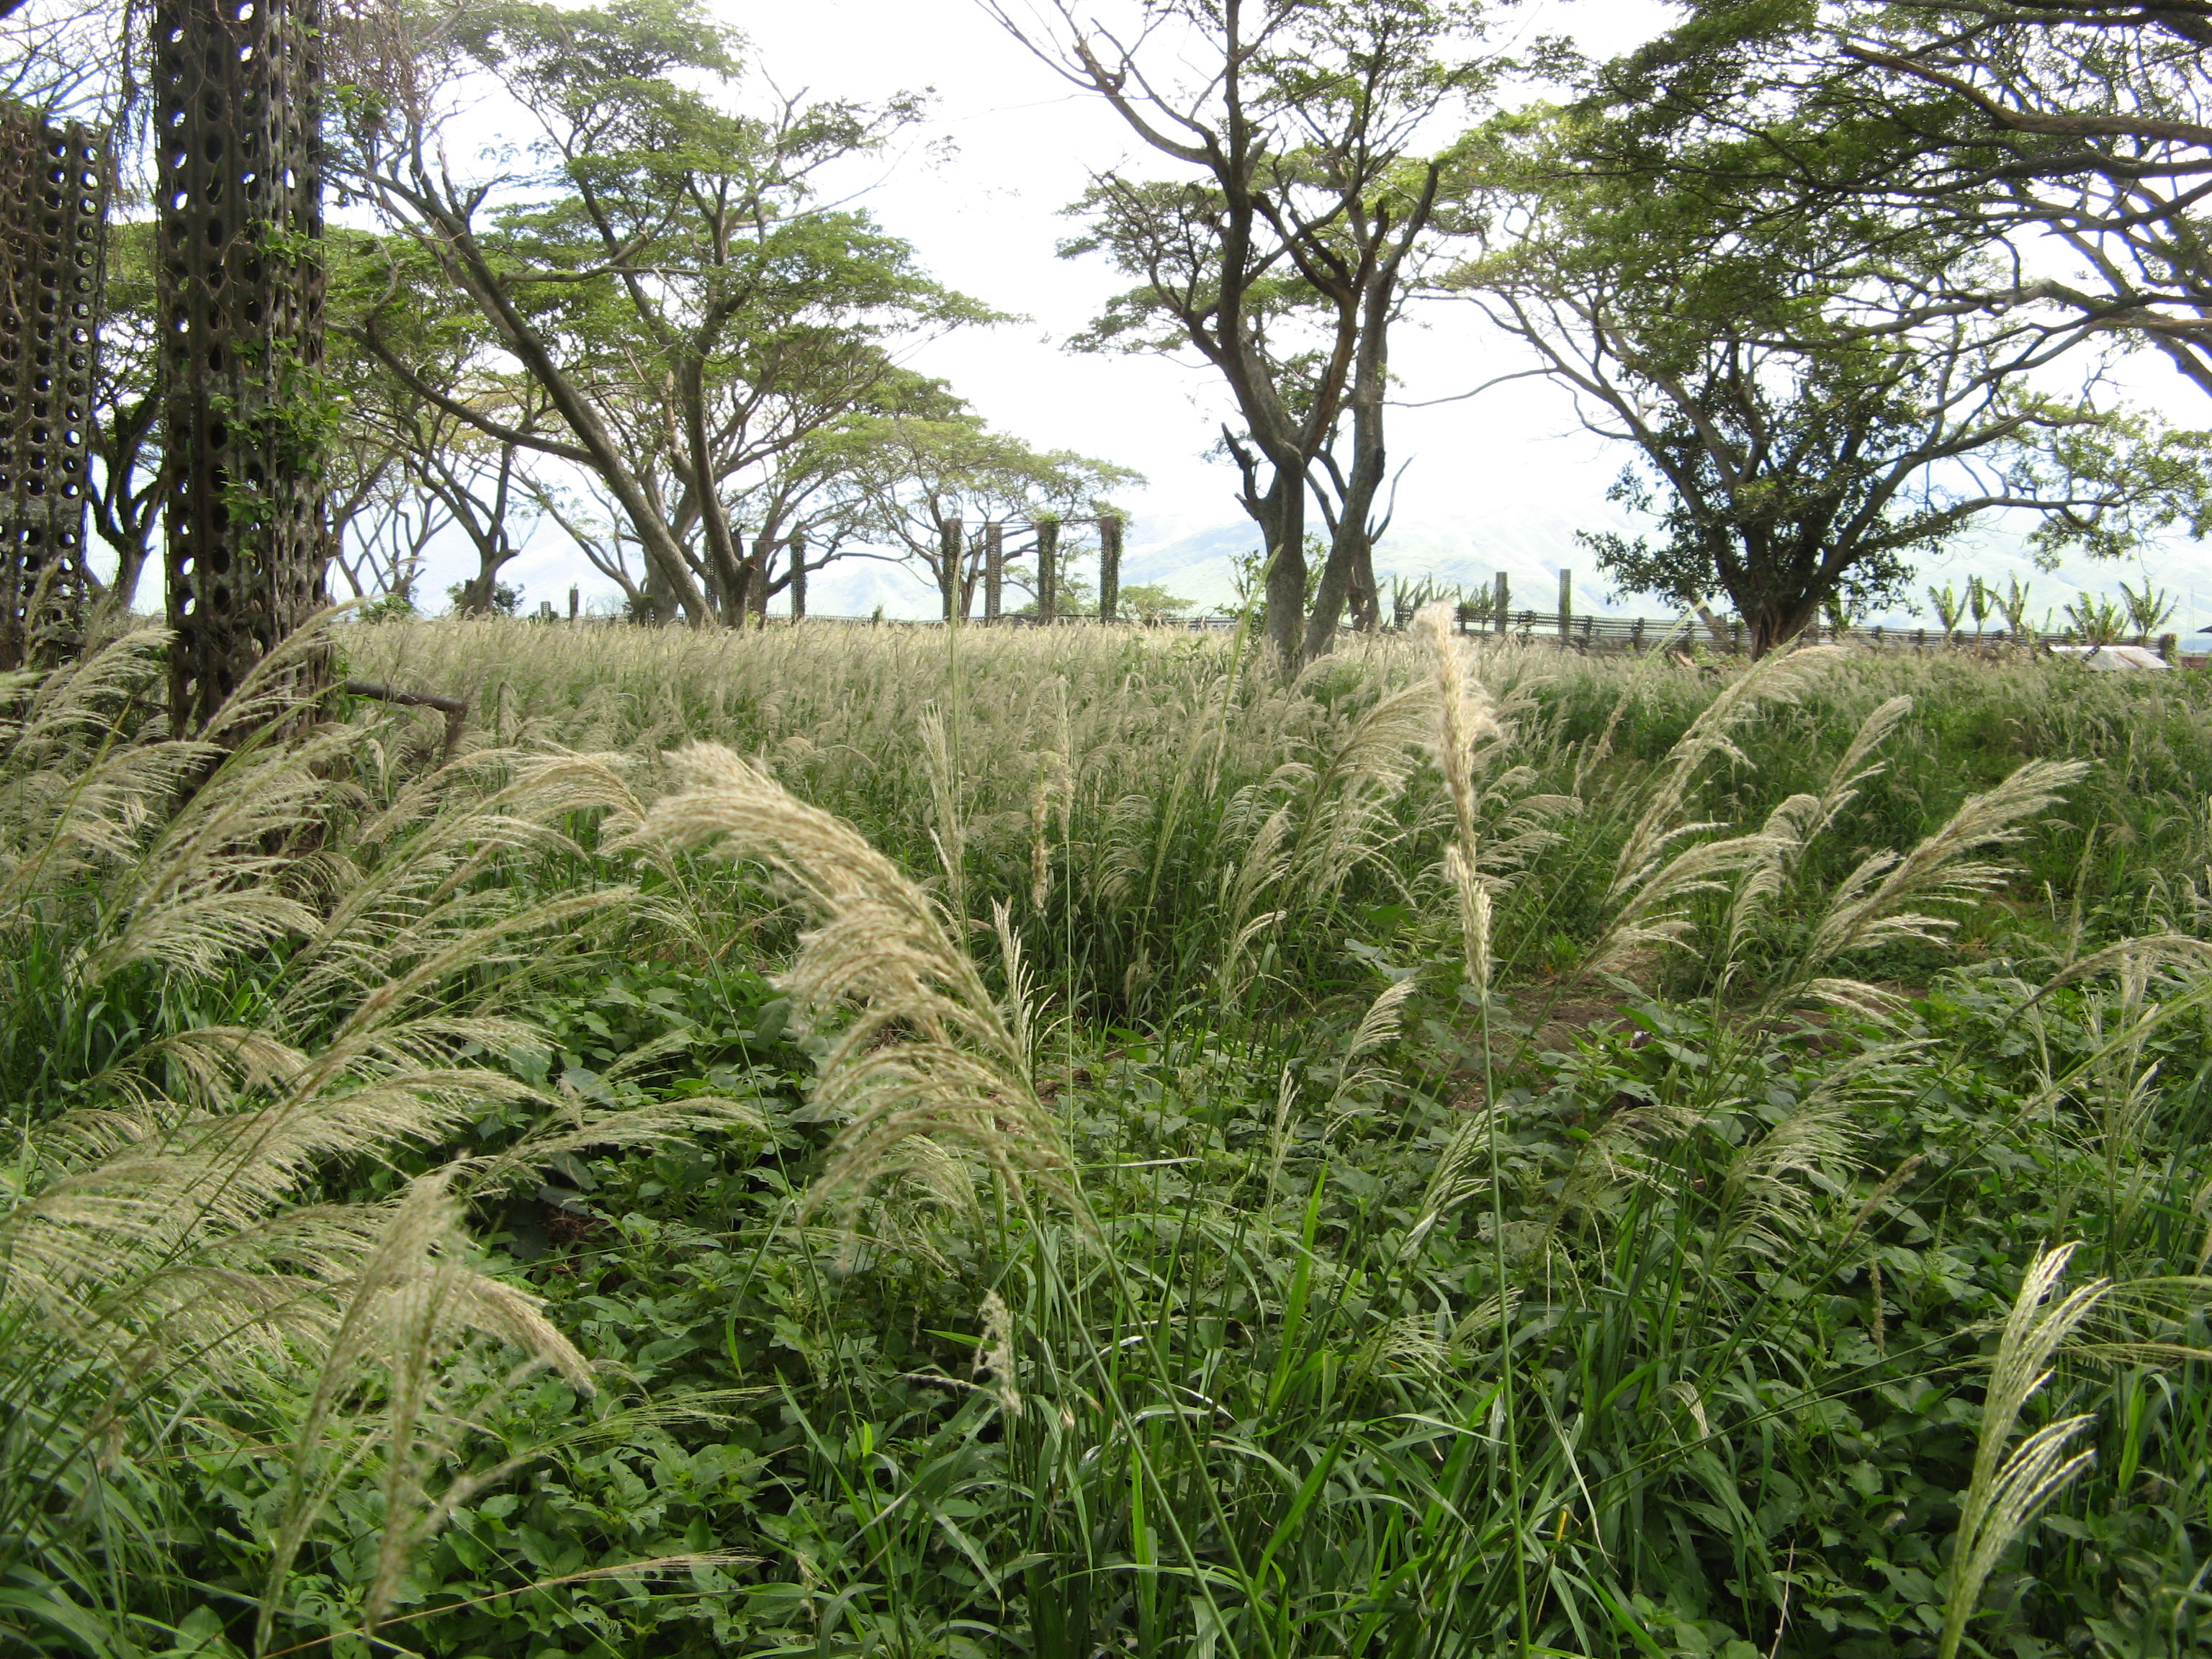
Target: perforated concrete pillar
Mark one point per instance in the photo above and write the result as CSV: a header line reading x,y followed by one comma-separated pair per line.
x,y
53,200
238,96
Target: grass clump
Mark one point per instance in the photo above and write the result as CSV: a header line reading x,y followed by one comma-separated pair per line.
x,y
872,1141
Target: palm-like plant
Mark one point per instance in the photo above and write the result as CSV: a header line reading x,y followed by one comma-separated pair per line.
x,y
1981,602
2148,611
1950,609
2096,621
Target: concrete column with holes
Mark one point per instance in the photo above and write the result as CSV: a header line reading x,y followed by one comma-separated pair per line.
x,y
758,573
994,570
1566,604
1047,600
797,588
1503,597
1110,568
237,109
53,204
952,555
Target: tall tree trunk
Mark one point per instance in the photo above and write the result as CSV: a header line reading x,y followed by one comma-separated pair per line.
x,y
1771,623
729,569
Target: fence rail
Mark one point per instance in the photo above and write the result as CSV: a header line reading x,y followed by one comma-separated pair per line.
x,y
1576,632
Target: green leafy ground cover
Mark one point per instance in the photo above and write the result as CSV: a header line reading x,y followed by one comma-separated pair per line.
x,y
1165,1209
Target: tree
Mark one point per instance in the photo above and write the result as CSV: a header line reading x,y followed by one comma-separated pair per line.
x,y
917,474
664,276
1151,602
1807,444
381,532
387,303
2073,139
1286,246
123,432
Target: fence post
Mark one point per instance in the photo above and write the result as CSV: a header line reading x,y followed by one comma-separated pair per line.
x,y
575,601
952,544
799,579
1047,532
1110,568
1566,604
1505,599
995,569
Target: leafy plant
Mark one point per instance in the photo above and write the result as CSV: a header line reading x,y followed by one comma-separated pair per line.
x,y
2147,610
2095,620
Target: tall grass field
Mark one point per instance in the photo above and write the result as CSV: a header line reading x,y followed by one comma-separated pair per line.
x,y
919,1142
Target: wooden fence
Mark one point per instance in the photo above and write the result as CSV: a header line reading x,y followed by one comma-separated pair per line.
x,y
1586,634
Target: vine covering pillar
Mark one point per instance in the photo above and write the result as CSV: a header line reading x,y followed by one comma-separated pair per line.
x,y
247,414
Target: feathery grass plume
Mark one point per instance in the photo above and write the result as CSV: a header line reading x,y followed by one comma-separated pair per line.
x,y
1474,919
1794,825
1866,909
1053,788
2005,1492
1408,1344
410,878
1619,1152
1123,853
1491,1313
413,1302
1652,917
1265,860
1376,1028
1470,728
1342,828
212,881
1764,1209
994,1354
79,784
1465,715
1778,678
927,1050
1765,872
948,829
1460,1173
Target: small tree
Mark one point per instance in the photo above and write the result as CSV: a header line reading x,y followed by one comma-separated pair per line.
x,y
1297,220
1151,602
1981,599
2148,611
1950,608
922,475
2097,621
654,256
1802,430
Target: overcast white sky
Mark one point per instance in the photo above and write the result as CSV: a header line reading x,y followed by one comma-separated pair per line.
x,y
1498,482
